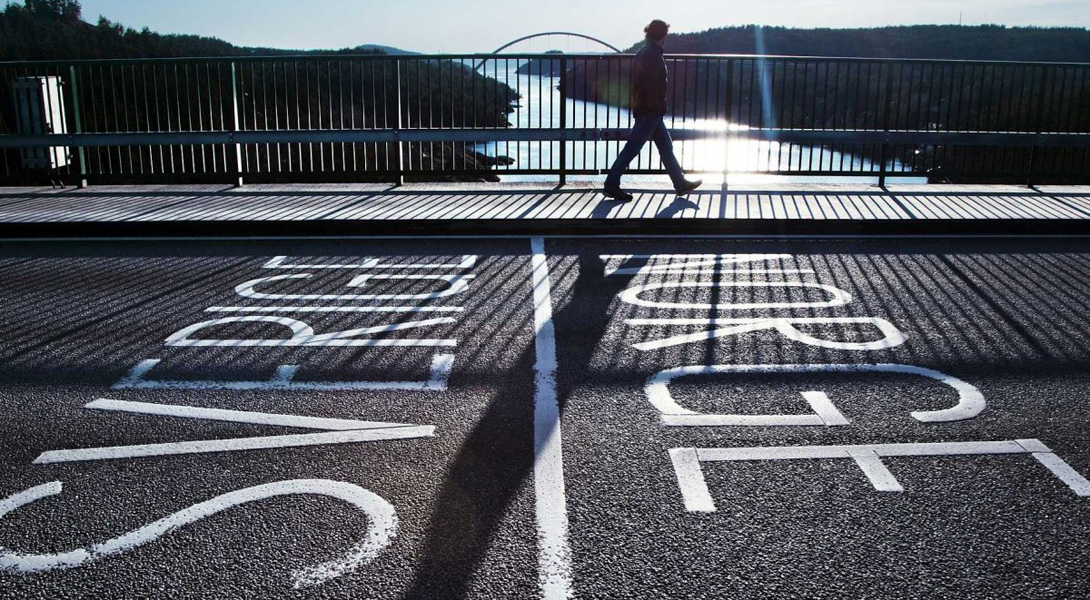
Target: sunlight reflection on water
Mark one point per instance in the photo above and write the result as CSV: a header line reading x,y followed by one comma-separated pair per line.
x,y
539,107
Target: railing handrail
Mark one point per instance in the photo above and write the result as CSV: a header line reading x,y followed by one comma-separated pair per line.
x,y
522,56
297,116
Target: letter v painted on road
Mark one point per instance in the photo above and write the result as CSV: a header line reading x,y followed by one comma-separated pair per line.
x,y
337,431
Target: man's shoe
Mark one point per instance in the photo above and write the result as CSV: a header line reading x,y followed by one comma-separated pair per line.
x,y
618,194
689,186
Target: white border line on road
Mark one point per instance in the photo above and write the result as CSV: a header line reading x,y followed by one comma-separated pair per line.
x,y
554,556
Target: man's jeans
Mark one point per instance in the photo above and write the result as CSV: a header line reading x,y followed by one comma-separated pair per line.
x,y
647,127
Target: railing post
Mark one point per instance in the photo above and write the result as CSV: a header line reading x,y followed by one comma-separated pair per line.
x,y
1038,127
81,153
399,177
727,109
563,120
236,148
883,157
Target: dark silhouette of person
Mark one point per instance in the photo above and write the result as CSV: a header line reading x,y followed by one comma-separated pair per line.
x,y
649,106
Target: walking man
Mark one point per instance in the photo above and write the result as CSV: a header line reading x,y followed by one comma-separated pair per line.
x,y
649,78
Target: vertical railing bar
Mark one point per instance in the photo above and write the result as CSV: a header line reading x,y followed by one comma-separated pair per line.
x,y
105,123
235,124
564,119
265,68
782,120
248,114
329,123
189,120
888,108
540,113
77,118
281,147
400,179
352,107
430,70
166,101
728,104
147,117
200,114
597,112
340,111
136,120
585,77
310,113
1039,123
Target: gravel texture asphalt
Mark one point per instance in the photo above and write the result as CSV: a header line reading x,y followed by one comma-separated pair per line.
x,y
1008,317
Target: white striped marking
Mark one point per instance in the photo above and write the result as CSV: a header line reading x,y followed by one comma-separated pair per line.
x,y
554,556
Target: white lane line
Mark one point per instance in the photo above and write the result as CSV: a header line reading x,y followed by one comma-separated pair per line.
x,y
238,416
235,444
554,556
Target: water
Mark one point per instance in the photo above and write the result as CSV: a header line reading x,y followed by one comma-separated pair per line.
x,y
540,108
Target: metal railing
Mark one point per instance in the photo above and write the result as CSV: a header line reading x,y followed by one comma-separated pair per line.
x,y
357,118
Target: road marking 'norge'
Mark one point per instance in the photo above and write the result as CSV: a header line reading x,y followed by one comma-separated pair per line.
x,y
554,555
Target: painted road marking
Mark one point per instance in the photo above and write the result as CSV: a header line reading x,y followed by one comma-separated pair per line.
x,y
554,555
343,432
970,401
302,334
457,285
237,416
837,296
335,309
441,366
381,528
697,497
891,336
690,264
468,262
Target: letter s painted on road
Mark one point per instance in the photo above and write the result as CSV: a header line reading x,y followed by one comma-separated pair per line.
x,y
381,530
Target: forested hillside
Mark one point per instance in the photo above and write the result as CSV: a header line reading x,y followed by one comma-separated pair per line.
x,y
346,90
983,42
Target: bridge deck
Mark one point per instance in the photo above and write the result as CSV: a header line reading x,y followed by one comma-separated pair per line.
x,y
519,208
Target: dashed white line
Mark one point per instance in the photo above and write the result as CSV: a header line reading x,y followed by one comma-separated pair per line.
x,y
554,555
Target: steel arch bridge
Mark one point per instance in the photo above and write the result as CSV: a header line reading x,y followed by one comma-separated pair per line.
x,y
549,33
546,34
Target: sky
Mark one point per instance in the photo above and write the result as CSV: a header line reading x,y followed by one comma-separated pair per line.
x,y
465,26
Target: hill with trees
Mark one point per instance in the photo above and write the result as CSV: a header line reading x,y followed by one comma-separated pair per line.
x,y
954,42
445,92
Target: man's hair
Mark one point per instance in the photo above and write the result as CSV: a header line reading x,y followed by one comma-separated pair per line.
x,y
657,30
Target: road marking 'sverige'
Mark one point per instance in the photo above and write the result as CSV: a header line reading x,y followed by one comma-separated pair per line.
x,y
554,555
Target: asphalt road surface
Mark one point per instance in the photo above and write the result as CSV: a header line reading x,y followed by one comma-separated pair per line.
x,y
518,418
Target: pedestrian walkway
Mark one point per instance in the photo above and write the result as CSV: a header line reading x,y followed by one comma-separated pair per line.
x,y
521,208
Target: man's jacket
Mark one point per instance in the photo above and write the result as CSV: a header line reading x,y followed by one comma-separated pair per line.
x,y
649,81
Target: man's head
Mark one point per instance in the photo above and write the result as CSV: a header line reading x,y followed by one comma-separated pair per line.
x,y
656,31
